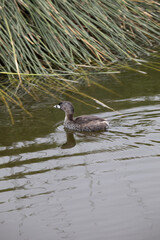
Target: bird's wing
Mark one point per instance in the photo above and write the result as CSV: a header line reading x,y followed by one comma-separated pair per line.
x,y
86,119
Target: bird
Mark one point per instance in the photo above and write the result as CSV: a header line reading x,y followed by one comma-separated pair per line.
x,y
84,123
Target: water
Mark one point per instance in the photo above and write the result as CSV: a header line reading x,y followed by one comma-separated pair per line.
x,y
58,185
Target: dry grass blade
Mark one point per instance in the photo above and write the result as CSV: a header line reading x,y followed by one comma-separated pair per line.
x,y
14,52
8,108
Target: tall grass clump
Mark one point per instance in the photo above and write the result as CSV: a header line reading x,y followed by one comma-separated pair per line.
x,y
41,35
54,37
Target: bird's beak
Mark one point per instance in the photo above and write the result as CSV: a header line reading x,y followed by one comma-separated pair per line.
x,y
57,106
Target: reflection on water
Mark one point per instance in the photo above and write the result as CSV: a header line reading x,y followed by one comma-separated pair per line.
x,y
70,141
70,138
62,185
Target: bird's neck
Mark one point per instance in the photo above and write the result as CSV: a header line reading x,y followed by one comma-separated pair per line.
x,y
69,117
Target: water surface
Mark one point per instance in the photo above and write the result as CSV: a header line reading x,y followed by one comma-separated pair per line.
x,y
58,185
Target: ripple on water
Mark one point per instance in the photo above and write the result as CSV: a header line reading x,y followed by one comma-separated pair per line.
x,y
86,185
